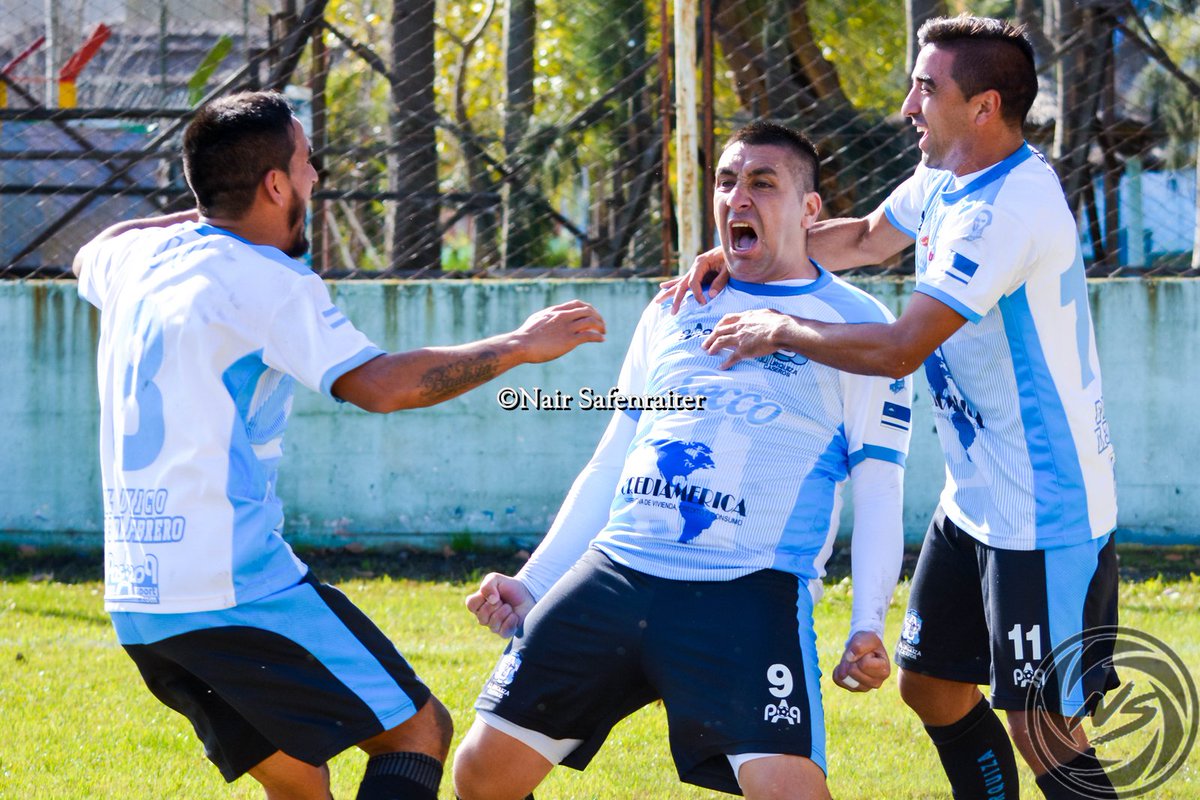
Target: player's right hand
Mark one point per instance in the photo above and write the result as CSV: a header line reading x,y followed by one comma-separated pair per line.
x,y
708,264
557,330
500,603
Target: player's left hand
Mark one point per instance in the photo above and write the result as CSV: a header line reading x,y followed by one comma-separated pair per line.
x,y
864,665
748,334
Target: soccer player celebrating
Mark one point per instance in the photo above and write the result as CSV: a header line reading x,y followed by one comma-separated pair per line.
x,y
686,559
206,324
1019,556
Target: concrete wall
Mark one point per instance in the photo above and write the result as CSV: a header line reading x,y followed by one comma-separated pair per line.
x,y
469,467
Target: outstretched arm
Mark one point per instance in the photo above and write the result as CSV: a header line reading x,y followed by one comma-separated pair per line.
x,y
431,375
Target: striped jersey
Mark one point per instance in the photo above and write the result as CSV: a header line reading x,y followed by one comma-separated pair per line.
x,y
202,338
1016,391
749,481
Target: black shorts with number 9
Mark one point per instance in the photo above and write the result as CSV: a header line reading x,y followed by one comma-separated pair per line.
x,y
734,662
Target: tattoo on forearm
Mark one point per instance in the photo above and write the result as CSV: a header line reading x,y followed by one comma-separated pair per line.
x,y
444,382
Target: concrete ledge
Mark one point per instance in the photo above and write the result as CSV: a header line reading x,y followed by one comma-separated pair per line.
x,y
469,468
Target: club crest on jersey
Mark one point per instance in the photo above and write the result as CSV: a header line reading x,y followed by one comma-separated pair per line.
x,y
896,386
503,675
911,632
783,712
782,362
692,331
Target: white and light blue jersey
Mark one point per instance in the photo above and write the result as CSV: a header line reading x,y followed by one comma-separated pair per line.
x,y
202,337
1016,391
751,480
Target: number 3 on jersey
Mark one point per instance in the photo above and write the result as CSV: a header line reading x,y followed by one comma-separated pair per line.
x,y
142,402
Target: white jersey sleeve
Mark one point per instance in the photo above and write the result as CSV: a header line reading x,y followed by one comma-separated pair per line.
x,y
878,420
970,274
878,417
904,206
877,544
585,511
310,338
98,261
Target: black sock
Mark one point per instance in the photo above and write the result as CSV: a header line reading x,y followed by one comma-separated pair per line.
x,y
977,756
1080,779
401,776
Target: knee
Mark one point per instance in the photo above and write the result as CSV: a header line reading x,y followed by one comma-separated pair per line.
x,y
442,724
470,771
937,701
783,778
429,731
914,690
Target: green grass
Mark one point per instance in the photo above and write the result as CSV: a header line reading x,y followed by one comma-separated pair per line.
x,y
78,723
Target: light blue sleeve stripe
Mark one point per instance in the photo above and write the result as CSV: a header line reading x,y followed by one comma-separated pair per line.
x,y
338,370
878,453
887,212
947,299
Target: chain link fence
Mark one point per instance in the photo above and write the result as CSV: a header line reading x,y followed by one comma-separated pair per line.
x,y
529,137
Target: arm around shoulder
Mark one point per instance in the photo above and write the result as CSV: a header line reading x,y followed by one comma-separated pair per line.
x,y
112,231
848,242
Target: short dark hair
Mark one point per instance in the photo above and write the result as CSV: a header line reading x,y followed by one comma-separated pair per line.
x,y
988,54
231,144
766,132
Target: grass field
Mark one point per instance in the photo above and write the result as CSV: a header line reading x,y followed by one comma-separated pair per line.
x,y
78,722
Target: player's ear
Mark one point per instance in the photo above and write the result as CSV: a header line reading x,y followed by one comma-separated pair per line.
x,y
987,106
812,208
277,187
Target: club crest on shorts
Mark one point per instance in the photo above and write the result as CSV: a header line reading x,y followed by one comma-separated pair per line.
x,y
503,675
911,632
1027,676
784,712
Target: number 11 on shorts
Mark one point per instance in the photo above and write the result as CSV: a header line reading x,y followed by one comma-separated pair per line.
x,y
1035,642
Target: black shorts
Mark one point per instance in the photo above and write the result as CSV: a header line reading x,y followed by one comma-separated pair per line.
x,y
981,615
302,671
735,663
